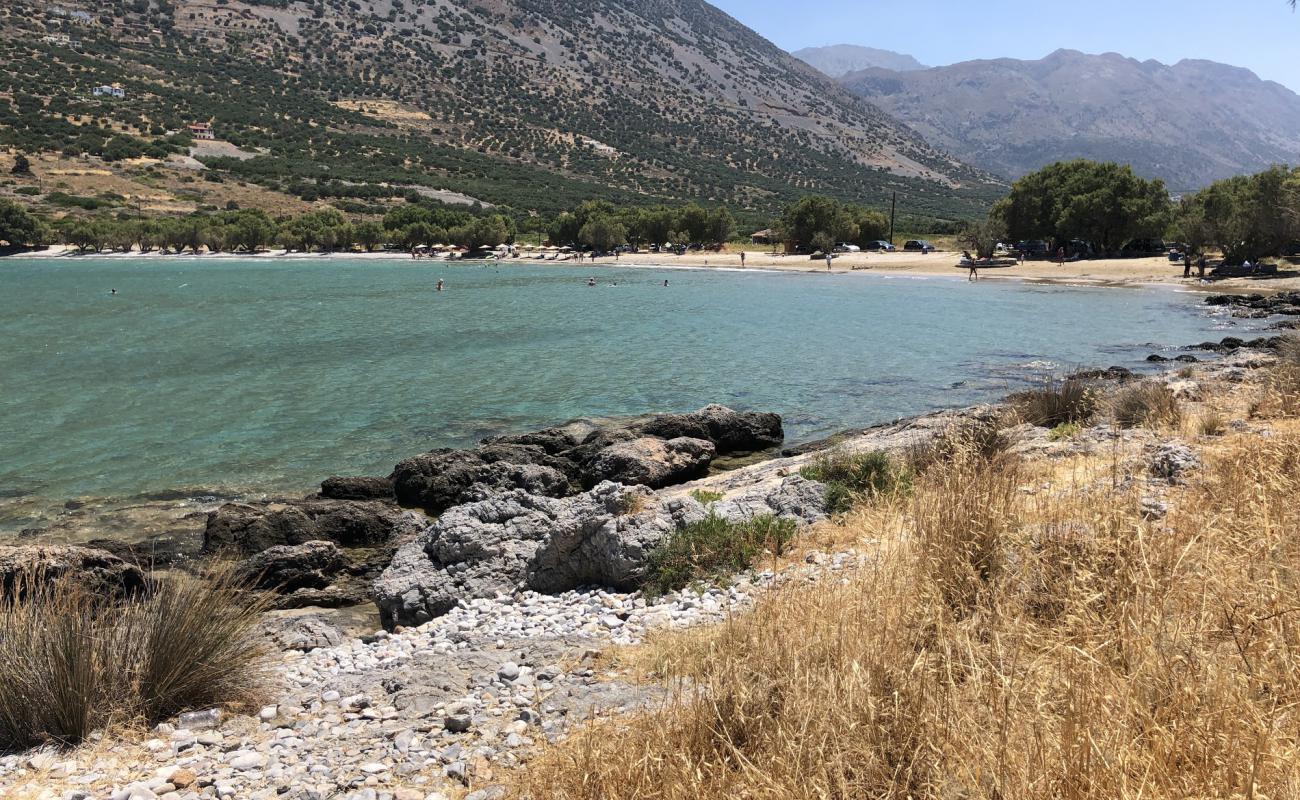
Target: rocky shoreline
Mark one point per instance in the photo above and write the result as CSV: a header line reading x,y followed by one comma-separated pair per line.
x,y
443,708
499,571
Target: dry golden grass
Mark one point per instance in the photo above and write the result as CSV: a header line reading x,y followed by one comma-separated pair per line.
x,y
1003,643
72,663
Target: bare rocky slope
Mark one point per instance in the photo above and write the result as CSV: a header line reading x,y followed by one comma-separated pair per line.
x,y
1190,123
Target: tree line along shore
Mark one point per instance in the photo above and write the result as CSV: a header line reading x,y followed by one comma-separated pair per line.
x,y
1079,209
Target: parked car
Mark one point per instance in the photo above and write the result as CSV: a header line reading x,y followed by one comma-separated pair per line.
x,y
918,246
845,247
1077,249
1139,248
881,245
1291,250
1033,248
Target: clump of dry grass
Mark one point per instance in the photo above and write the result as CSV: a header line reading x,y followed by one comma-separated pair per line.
x,y
982,438
1281,396
1058,401
71,663
1149,403
1211,423
1003,644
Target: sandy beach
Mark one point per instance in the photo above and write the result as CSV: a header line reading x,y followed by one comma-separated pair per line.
x,y
1158,271
1111,272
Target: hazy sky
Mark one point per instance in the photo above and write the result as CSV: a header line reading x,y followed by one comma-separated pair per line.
x,y
1261,35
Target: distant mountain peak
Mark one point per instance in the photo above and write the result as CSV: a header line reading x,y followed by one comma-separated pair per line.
x,y
1190,123
838,60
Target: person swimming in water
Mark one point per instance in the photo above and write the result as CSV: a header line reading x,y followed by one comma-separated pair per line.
x,y
591,281
665,281
112,291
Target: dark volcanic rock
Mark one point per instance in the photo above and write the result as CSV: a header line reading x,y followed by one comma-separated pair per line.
x,y
357,488
557,462
101,573
1120,374
553,441
156,552
730,431
340,595
444,478
249,528
286,568
1230,343
742,431
651,461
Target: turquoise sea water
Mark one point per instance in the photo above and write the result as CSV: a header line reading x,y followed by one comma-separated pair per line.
x,y
225,373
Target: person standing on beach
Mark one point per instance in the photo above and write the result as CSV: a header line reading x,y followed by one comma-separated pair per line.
x,y
1060,256
829,258
1187,263
742,259
1200,266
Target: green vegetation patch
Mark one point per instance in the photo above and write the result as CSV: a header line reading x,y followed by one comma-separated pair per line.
x,y
1064,431
854,477
715,547
705,496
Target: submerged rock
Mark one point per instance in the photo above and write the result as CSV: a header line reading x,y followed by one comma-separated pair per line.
x,y
441,479
249,528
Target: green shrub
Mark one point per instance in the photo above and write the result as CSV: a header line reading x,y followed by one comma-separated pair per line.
x,y
71,662
851,477
714,547
1058,402
705,496
1147,403
29,191
1066,430
74,201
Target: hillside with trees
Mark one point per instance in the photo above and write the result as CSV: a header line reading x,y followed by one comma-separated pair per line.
x,y
533,104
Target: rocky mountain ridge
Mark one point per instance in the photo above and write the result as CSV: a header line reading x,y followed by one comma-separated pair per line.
x,y
1190,123
840,59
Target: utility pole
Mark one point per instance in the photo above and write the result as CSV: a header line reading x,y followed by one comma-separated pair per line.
x,y
893,209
